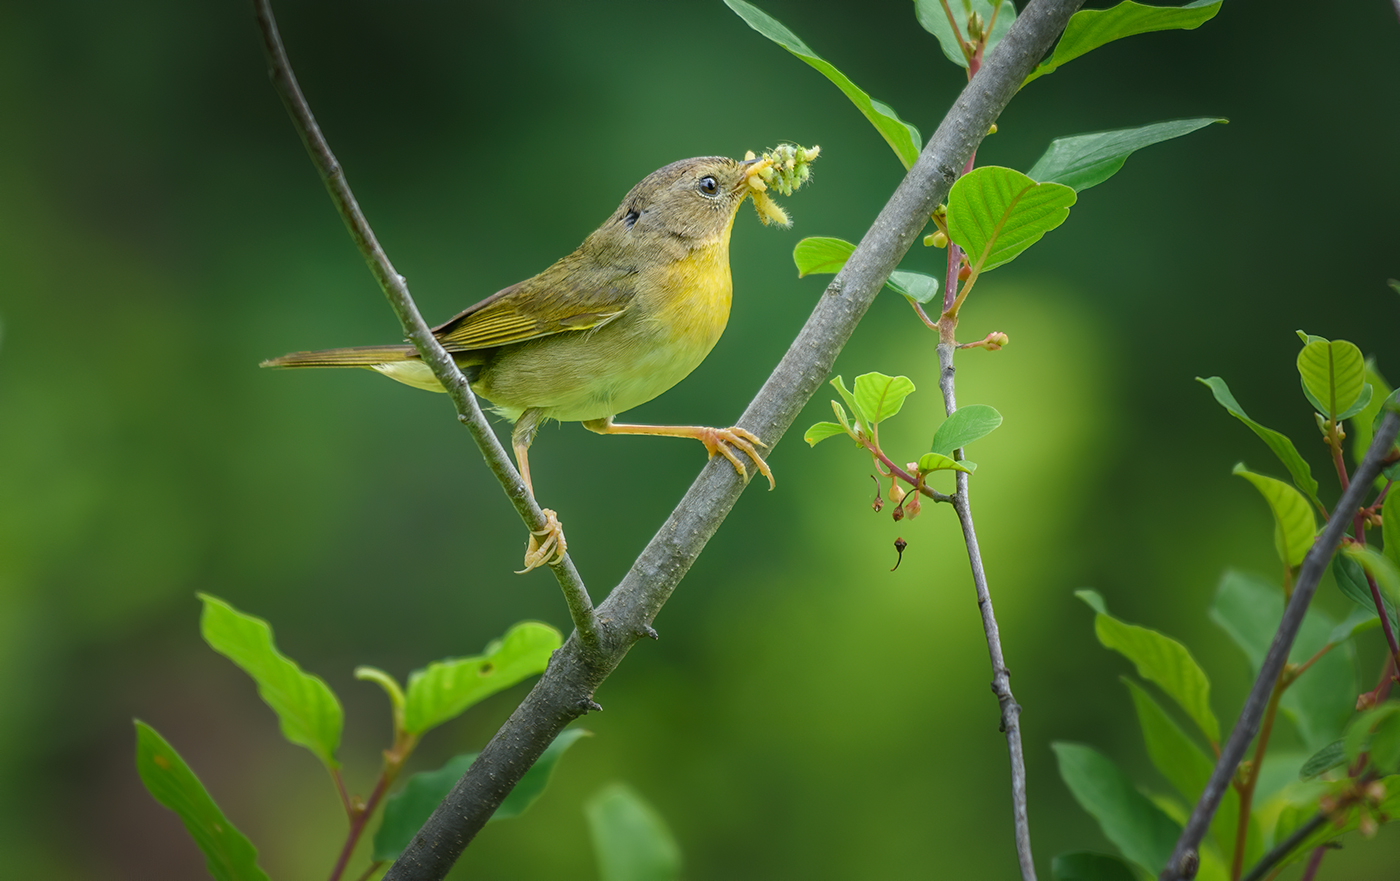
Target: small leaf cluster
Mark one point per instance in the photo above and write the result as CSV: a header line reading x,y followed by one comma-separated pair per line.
x,y
310,715
1350,771
875,399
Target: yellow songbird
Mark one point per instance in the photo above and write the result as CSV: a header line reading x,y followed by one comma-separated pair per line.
x,y
619,321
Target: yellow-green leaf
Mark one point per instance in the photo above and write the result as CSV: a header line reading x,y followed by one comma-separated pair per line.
x,y
307,710
995,213
1159,659
1293,516
1333,374
445,689
902,137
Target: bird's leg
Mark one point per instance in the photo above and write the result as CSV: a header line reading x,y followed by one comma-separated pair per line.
x,y
546,545
716,440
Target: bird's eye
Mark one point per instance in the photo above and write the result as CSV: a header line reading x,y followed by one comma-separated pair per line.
x,y
708,186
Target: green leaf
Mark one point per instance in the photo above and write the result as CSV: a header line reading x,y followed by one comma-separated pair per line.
x,y
1093,599
630,838
1385,742
1372,725
819,255
1324,760
1089,29
1159,659
963,426
1390,527
1283,447
1333,374
1319,703
995,213
1359,621
228,854
1380,568
840,385
307,710
931,462
1294,526
1362,423
916,286
1351,581
821,431
902,137
1086,866
445,689
1137,827
935,20
1084,161
881,396
1184,764
406,811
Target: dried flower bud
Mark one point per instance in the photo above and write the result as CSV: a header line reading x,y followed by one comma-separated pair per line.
x,y
899,546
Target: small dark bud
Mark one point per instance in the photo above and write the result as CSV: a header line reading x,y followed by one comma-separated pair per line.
x,y
879,502
898,513
899,546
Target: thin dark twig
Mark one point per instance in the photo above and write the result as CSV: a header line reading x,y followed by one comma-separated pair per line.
x,y
1286,847
1184,857
1001,676
566,688
414,327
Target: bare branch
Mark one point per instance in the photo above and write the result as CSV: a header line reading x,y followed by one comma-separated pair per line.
x,y
1184,859
566,689
414,327
1001,677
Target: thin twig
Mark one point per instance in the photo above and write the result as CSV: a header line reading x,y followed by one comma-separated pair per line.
x,y
566,688
1001,676
1184,858
414,327
1279,853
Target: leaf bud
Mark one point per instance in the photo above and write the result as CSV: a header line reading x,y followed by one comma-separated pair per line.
x,y
936,240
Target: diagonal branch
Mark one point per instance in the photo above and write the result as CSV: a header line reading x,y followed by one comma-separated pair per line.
x,y
566,689
414,327
1184,859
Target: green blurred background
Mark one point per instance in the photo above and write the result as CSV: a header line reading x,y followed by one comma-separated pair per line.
x,y
806,713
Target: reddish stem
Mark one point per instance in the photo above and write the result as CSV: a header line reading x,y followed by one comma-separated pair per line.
x,y
358,821
1247,793
1385,619
1311,871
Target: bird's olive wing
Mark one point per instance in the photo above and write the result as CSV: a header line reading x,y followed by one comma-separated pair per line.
x,y
565,297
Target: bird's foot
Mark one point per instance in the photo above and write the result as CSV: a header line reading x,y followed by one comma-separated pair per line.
x,y
547,545
719,440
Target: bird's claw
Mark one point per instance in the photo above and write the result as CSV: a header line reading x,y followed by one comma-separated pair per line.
x,y
719,440
547,545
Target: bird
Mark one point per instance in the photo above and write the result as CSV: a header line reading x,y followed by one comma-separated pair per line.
x,y
630,313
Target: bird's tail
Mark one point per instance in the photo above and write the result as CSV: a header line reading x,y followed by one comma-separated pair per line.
x,y
354,356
